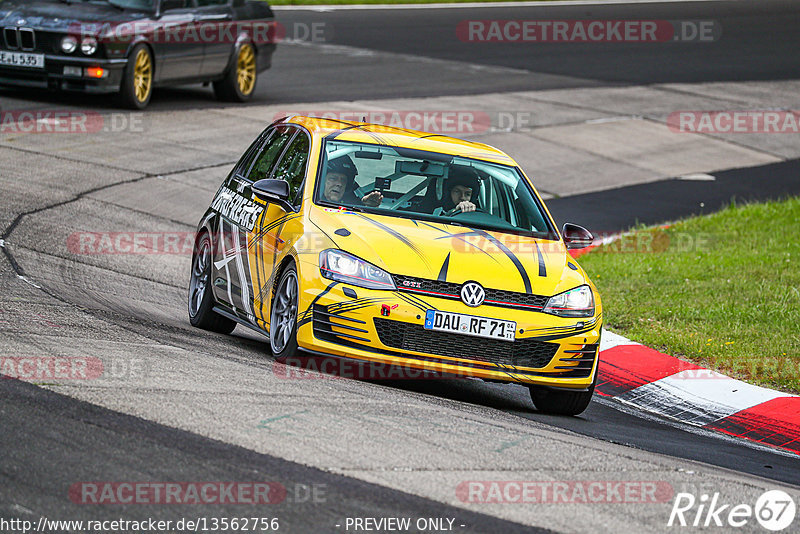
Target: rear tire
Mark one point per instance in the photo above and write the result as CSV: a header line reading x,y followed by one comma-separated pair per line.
x,y
137,79
559,402
240,81
201,300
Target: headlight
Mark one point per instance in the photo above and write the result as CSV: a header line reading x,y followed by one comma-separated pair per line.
x,y
578,302
89,45
69,44
343,267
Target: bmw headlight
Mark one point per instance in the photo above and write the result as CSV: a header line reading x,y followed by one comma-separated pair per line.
x,y
578,302
69,44
89,45
343,267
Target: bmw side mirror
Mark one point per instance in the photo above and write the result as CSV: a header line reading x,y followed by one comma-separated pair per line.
x,y
576,236
275,191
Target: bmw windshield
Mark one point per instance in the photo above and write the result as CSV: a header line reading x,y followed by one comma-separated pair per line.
x,y
409,183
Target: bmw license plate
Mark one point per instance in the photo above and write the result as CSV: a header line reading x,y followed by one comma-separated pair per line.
x,y
21,59
470,325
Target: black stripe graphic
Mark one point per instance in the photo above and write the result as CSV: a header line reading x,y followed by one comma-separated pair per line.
x,y
443,271
416,301
518,264
397,235
259,264
460,237
542,268
307,314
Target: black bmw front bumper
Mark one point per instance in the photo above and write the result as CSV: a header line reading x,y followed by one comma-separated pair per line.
x,y
52,75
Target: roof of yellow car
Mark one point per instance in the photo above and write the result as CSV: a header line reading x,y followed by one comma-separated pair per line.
x,y
392,136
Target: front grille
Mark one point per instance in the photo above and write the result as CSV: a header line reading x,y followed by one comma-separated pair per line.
x,y
494,297
10,35
27,39
521,353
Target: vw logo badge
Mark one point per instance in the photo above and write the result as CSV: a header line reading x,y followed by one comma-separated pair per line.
x,y
472,294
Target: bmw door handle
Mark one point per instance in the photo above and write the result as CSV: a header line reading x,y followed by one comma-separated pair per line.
x,y
213,18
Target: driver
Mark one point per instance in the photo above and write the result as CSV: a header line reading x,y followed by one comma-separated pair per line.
x,y
461,189
340,182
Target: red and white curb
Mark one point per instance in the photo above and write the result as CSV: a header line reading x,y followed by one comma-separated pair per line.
x,y
667,386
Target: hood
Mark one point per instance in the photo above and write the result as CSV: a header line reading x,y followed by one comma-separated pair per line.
x,y
437,251
57,16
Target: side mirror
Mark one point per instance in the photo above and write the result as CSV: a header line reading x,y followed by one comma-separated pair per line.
x,y
576,236
275,191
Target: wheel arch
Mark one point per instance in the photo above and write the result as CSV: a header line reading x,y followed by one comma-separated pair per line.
x,y
242,38
141,40
289,259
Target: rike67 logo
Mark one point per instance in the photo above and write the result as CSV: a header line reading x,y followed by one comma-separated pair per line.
x,y
774,510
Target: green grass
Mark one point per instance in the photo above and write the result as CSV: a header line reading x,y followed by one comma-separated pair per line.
x,y
340,2
721,290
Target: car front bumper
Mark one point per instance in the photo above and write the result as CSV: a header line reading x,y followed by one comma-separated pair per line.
x,y
549,351
53,76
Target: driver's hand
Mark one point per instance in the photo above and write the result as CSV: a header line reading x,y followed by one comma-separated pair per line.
x,y
466,206
373,199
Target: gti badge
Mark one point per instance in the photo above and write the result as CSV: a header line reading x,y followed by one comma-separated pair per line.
x,y
472,294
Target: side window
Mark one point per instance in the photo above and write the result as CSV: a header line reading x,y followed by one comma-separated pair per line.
x,y
168,5
203,3
247,158
269,154
292,167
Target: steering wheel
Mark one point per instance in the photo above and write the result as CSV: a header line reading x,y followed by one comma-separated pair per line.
x,y
455,211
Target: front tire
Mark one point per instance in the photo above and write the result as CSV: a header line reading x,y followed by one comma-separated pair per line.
x,y
137,79
240,81
283,318
559,402
201,300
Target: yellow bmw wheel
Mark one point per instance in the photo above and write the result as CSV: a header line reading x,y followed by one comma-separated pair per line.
x,y
143,75
246,70
137,83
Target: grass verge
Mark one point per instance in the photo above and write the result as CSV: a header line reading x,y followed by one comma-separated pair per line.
x,y
721,290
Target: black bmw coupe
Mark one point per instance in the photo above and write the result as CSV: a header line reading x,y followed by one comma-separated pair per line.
x,y
131,46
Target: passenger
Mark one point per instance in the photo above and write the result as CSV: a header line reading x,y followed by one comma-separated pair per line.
x,y
340,184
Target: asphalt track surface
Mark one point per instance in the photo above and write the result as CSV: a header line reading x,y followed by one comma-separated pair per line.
x,y
417,53
670,200
51,440
54,426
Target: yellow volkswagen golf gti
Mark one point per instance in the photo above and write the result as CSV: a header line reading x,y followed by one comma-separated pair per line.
x,y
401,248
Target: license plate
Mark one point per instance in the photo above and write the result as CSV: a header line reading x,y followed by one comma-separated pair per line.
x,y
21,59
470,325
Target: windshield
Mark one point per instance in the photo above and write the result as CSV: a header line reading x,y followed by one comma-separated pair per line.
x,y
414,184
